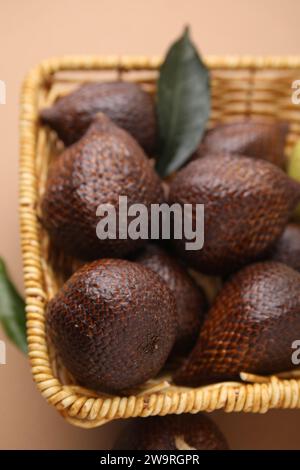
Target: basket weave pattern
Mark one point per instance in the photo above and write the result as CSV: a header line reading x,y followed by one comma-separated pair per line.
x,y
240,87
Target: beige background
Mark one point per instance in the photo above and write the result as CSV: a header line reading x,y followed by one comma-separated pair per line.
x,y
32,30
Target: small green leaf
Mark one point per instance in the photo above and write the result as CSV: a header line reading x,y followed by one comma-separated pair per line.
x,y
12,310
293,171
183,104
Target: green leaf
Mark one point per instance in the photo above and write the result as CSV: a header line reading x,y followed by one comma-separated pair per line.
x,y
183,104
12,310
293,170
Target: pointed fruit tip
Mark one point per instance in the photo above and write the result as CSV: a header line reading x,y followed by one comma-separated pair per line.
x,y
47,115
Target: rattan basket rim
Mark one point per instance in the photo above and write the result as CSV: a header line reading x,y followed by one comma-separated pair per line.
x,y
79,406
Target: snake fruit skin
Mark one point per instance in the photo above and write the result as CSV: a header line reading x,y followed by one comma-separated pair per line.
x,y
183,432
113,324
247,203
190,299
126,104
287,249
257,139
250,328
105,164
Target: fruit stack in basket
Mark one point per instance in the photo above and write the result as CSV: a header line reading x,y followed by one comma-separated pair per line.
x,y
139,305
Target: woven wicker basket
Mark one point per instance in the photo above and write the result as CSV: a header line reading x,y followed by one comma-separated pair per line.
x,y
240,87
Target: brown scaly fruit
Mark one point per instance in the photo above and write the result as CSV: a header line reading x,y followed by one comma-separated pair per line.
x,y
126,104
287,249
247,205
190,299
250,328
258,139
105,164
183,432
113,324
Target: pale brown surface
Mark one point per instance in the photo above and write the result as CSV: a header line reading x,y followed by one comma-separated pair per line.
x,y
32,30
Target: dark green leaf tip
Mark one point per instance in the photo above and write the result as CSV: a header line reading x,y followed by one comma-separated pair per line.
x,y
186,32
12,310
